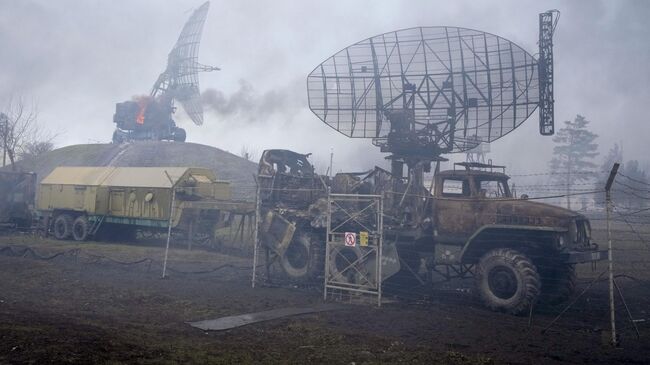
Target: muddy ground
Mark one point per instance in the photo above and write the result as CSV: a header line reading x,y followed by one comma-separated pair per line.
x,y
85,308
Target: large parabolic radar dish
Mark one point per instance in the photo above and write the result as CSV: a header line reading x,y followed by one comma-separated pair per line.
x,y
180,79
444,89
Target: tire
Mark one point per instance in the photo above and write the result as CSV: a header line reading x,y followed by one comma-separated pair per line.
x,y
62,227
303,261
558,284
341,259
507,281
80,228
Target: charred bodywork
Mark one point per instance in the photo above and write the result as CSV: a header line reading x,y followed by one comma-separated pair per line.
x,y
469,224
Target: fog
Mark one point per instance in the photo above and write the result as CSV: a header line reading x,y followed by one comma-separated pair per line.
x,y
76,59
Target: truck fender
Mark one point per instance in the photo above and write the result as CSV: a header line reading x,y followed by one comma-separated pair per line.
x,y
472,249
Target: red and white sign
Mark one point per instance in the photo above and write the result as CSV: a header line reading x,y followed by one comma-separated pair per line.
x,y
350,239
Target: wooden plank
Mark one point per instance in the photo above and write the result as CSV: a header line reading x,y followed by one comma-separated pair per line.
x,y
229,322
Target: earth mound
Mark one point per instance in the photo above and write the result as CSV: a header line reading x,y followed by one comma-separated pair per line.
x,y
226,165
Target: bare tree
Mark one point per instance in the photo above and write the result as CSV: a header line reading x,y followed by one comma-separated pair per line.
x,y
34,149
20,134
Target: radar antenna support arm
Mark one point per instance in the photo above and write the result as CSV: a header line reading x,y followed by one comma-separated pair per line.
x,y
547,23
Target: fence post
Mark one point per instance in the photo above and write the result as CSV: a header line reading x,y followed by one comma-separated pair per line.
x,y
169,225
255,232
608,199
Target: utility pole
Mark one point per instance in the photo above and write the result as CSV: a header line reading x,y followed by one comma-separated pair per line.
x,y
608,198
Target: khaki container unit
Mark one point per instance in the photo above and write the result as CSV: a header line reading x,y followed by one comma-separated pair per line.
x,y
76,201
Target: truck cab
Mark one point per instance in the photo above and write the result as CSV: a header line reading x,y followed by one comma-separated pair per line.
x,y
519,250
472,204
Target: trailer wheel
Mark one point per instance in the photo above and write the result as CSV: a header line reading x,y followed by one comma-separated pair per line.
x,y
62,226
303,259
80,228
507,280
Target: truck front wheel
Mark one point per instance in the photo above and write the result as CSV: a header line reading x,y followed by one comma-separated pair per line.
x,y
62,226
507,280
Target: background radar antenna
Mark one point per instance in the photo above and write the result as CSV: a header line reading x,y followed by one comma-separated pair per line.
x,y
151,117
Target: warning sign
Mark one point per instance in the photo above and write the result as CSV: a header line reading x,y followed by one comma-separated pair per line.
x,y
363,238
350,239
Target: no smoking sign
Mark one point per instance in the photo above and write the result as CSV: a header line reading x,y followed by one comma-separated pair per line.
x,y
350,239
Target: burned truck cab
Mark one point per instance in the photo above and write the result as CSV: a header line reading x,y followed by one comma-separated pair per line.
x,y
476,203
520,251
288,178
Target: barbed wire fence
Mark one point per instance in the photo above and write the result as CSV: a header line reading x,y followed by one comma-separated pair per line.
x,y
587,313
588,309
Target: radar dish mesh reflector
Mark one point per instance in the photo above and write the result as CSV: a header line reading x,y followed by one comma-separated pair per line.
x,y
180,80
460,86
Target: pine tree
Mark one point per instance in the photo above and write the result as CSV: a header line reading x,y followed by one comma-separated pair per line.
x,y
573,154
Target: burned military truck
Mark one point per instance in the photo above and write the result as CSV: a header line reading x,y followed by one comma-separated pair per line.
x,y
468,225
418,94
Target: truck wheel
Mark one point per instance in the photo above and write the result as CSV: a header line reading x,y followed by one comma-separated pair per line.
x,y
507,280
303,259
80,228
62,226
558,284
344,268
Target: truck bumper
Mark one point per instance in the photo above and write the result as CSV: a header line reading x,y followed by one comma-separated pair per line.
x,y
577,257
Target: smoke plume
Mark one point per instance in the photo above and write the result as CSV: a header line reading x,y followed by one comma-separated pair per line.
x,y
248,105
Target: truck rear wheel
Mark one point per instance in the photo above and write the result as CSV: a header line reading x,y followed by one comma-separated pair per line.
x,y
507,280
80,228
302,261
62,226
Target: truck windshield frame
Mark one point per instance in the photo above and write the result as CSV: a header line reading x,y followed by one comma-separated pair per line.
x,y
492,188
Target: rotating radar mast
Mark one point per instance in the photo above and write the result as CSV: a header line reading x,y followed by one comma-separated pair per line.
x,y
422,92
150,117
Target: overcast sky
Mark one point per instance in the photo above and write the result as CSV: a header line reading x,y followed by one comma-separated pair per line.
x,y
76,59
